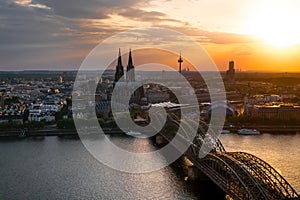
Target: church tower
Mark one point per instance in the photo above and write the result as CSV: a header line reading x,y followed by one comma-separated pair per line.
x,y
119,69
130,74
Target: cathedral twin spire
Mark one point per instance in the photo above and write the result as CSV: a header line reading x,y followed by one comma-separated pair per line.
x,y
119,69
130,74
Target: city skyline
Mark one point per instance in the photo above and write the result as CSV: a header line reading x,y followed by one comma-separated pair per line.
x,y
43,35
149,99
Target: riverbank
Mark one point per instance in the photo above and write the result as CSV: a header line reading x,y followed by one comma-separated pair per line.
x,y
22,133
53,131
273,129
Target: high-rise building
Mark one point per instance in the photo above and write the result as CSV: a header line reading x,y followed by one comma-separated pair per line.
x,y
230,73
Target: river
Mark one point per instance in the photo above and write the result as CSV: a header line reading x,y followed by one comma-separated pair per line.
x,y
61,168
281,151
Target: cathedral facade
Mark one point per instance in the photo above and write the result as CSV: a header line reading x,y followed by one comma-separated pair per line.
x,y
126,81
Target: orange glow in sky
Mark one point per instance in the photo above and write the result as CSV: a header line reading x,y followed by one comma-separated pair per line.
x,y
259,35
272,35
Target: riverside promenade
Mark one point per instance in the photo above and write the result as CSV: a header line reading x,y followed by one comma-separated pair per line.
x,y
54,131
48,131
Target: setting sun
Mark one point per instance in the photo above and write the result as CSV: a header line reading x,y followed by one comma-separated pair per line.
x,y
275,25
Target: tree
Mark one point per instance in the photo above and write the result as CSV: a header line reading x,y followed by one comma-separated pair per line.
x,y
25,115
69,102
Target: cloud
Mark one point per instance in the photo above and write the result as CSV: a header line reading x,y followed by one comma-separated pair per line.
x,y
28,34
204,36
43,33
90,9
33,36
30,4
142,15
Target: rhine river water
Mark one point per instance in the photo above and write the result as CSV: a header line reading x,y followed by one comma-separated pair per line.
x,y
61,168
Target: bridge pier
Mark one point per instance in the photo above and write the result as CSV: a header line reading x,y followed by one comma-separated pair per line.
x,y
196,174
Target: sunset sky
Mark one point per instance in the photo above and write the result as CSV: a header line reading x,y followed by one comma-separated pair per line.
x,y
58,34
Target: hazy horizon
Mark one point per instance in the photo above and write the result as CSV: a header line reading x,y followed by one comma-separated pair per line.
x,y
70,70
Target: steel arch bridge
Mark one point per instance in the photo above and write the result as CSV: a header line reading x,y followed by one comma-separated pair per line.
x,y
241,175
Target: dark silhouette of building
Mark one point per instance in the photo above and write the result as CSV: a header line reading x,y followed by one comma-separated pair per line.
x,y
130,73
129,82
230,73
119,69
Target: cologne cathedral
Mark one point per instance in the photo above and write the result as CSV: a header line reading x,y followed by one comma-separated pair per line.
x,y
127,79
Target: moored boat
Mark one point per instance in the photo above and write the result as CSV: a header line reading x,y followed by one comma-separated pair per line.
x,y
245,131
225,132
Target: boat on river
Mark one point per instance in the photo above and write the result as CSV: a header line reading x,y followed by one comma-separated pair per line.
x,y
245,131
